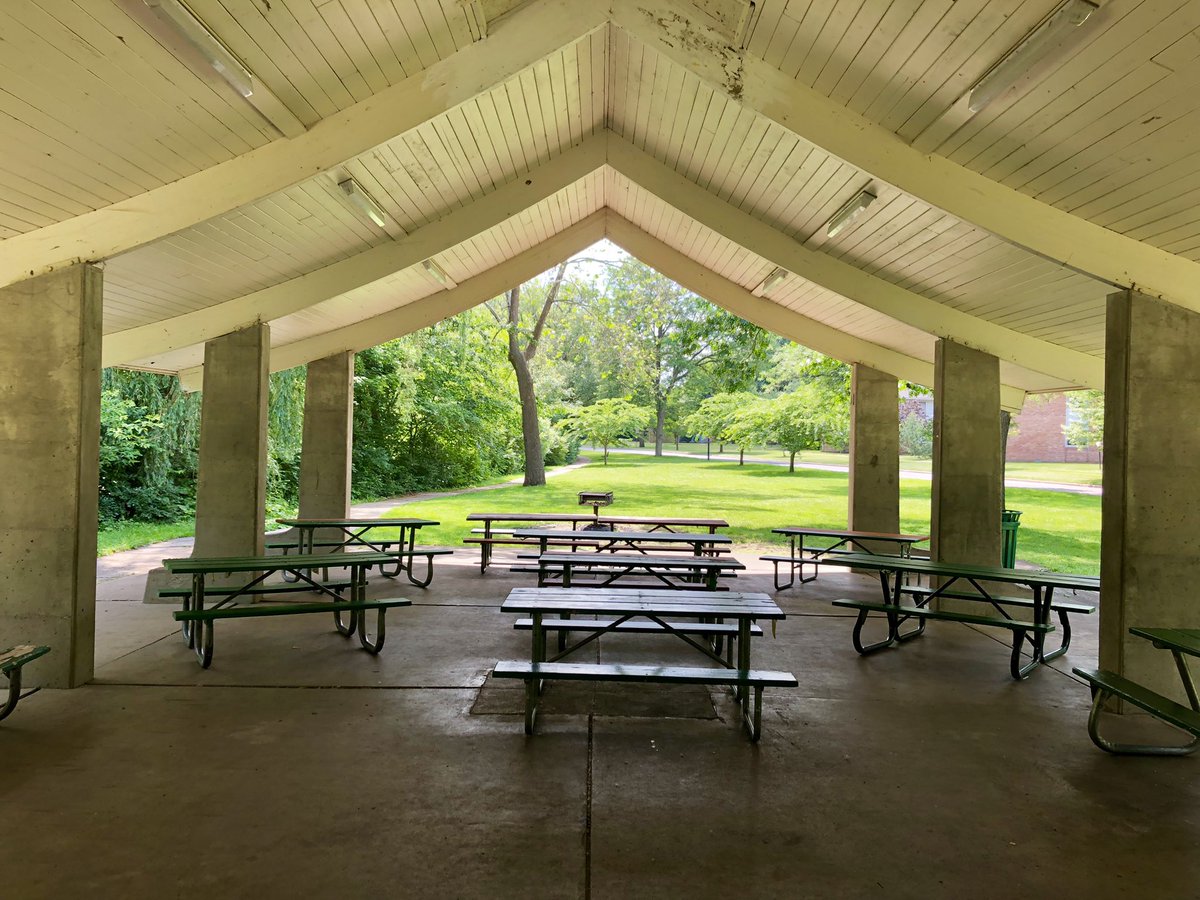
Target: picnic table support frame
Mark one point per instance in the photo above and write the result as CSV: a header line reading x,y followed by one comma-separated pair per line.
x,y
12,669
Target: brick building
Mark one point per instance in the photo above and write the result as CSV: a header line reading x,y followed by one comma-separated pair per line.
x,y
1038,433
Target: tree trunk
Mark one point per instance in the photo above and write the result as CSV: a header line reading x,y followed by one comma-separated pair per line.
x,y
741,456
792,462
676,441
535,463
661,407
606,454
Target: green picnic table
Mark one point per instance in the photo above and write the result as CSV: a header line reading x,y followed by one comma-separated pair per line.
x,y
352,534
800,554
12,661
964,581
1181,643
197,620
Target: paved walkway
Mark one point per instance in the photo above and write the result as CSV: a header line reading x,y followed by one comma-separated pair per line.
x,y
1093,490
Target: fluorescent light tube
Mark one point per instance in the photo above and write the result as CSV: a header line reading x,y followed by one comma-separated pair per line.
x,y
774,277
363,202
848,213
1016,63
439,274
196,33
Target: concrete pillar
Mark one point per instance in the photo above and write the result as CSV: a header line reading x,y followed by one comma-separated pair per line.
x,y
49,468
1150,537
231,488
874,451
968,468
328,436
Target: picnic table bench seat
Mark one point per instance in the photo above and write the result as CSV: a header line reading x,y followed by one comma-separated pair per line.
x,y
1022,630
356,608
533,673
12,662
1104,684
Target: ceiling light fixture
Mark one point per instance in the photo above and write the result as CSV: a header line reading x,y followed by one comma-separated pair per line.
x,y
439,274
848,213
196,33
1017,62
363,202
774,278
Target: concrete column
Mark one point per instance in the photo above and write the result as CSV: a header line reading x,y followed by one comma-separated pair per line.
x,y
49,467
328,436
1150,538
231,488
968,469
874,451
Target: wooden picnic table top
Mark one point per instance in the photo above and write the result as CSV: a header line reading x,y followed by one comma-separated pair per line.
x,y
588,517
634,602
1185,640
354,523
678,537
640,560
798,530
205,565
964,570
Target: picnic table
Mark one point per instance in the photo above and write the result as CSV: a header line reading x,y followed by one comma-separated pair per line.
x,y
865,541
488,536
355,533
644,612
1181,643
197,627
699,544
963,581
678,572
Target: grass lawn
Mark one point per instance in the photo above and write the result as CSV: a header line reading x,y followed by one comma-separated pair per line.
x,y
1058,531
1061,473
127,535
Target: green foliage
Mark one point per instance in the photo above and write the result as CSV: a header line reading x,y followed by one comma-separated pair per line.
x,y
916,436
607,421
435,409
1085,419
285,427
560,445
149,431
801,420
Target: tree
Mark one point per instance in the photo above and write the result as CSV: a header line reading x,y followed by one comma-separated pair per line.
x,y
795,421
1085,419
520,357
670,335
721,416
606,421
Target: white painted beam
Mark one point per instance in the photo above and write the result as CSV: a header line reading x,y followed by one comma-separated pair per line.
x,y
849,281
520,39
773,317
434,308
676,30
283,299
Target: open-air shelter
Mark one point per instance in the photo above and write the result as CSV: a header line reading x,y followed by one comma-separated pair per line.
x,y
989,198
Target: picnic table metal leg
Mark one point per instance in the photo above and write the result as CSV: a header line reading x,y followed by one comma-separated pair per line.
x,y
533,686
893,620
204,642
358,593
14,692
372,646
187,628
424,582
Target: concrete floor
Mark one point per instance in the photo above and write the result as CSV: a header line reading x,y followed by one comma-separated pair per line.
x,y
299,766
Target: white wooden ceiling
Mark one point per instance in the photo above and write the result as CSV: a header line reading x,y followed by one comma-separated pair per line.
x,y
101,123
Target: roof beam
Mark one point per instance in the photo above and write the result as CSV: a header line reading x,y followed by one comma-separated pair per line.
x,y
849,281
676,30
767,314
522,38
291,296
434,308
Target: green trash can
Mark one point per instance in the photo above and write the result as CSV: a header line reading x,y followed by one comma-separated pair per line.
x,y
1010,521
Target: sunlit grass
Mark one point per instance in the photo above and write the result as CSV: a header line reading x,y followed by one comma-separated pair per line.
x,y
1059,531
128,535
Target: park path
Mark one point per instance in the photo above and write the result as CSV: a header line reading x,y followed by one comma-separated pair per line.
x,y
1093,490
